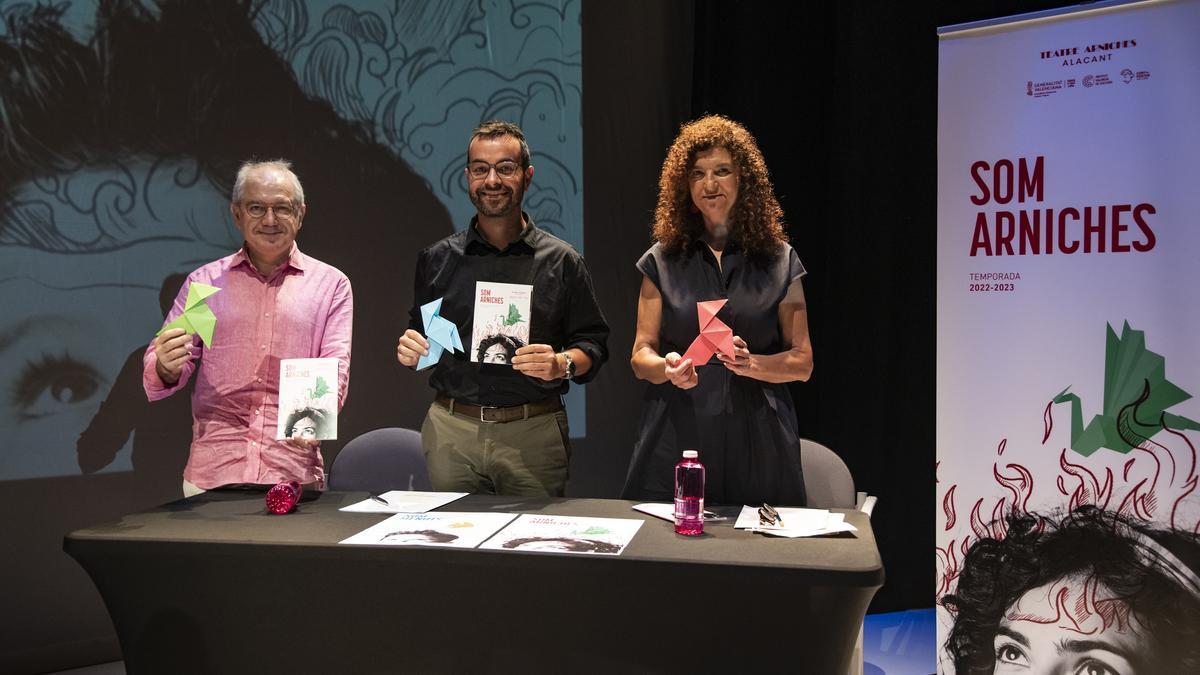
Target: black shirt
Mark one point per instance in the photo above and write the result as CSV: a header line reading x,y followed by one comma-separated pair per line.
x,y
563,310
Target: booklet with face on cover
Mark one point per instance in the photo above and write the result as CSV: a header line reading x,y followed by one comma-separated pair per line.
x,y
501,324
441,528
566,534
308,398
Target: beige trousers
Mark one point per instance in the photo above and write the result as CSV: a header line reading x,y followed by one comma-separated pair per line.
x,y
527,458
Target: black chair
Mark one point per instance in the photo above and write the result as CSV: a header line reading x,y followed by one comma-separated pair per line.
x,y
827,480
829,485
379,461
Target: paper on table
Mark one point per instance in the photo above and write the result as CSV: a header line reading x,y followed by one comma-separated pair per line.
x,y
566,534
444,528
441,334
714,336
667,512
405,501
832,528
196,317
796,522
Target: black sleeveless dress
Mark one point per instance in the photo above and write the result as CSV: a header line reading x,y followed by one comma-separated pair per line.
x,y
744,429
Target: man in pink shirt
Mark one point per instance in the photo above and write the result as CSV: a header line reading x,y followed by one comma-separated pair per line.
x,y
275,303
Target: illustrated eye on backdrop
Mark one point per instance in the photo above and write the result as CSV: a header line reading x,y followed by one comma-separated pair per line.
x,y
1008,653
1094,667
52,385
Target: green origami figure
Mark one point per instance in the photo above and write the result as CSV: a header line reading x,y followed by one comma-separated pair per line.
x,y
1136,396
196,317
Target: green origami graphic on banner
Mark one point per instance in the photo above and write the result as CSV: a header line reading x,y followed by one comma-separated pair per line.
x,y
196,317
1137,394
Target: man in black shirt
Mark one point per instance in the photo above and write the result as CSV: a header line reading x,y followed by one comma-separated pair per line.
x,y
500,427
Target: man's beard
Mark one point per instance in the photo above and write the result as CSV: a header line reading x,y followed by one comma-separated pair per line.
x,y
501,208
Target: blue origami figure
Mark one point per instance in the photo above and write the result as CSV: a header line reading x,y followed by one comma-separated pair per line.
x,y
441,334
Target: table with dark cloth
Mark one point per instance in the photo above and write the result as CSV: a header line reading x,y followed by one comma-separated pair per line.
x,y
216,584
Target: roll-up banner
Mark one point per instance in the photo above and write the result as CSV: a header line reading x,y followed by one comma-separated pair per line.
x,y
1068,341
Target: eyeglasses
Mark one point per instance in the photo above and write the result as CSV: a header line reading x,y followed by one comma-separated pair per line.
x,y
505,168
282,211
767,515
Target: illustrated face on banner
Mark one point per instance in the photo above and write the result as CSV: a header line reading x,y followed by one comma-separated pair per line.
x,y
1068,626
1067,316
85,254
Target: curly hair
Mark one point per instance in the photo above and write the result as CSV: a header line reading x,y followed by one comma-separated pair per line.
x,y
757,217
511,345
67,104
1152,571
433,536
572,544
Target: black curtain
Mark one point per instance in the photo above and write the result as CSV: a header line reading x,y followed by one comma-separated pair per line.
x,y
842,98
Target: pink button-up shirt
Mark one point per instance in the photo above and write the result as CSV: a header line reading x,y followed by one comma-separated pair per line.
x,y
303,310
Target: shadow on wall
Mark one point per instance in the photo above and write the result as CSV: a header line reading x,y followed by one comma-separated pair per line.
x,y
116,160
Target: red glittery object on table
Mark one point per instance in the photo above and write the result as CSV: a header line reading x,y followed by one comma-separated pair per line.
x,y
282,498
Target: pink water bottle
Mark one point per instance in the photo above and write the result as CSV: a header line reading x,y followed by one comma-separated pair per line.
x,y
282,498
689,495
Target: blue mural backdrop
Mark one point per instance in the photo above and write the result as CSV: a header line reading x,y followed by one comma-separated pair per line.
x,y
420,73
113,184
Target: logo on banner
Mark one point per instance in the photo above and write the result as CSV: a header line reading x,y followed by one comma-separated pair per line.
x,y
1015,220
1099,52
1126,75
1043,89
1087,80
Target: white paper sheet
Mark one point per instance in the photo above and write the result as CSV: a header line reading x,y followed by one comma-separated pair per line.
x,y
404,501
796,522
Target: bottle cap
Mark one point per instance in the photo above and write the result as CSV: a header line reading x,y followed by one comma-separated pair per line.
x,y
690,454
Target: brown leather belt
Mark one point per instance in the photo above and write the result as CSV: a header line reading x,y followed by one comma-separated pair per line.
x,y
488,413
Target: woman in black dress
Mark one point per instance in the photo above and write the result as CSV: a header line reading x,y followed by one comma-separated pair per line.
x,y
719,235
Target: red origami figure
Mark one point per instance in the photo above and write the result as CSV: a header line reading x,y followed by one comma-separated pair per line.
x,y
714,336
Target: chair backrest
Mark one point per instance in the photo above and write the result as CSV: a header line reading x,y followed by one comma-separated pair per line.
x,y
827,480
381,460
